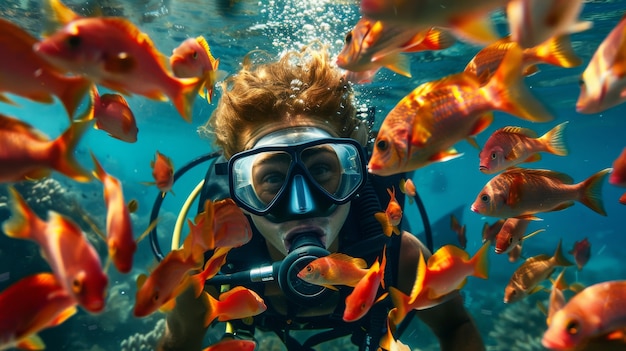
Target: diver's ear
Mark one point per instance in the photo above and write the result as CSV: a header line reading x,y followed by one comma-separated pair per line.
x,y
361,133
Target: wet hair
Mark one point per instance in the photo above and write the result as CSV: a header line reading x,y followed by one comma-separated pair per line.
x,y
300,87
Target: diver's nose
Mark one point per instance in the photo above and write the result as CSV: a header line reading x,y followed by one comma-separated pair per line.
x,y
301,199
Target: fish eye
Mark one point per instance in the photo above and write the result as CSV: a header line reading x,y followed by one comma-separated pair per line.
x,y
309,268
77,286
484,198
572,327
155,297
194,55
74,41
348,37
510,241
382,145
581,82
493,155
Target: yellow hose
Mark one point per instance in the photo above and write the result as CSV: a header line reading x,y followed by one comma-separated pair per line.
x,y
182,215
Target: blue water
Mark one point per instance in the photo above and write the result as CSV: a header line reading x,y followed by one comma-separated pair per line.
x,y
235,27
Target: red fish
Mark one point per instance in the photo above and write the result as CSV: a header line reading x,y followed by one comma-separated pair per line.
x,y
361,299
236,303
459,230
581,252
30,305
490,231
522,193
512,234
618,175
211,268
193,59
334,269
597,311
232,344
27,154
162,172
390,219
404,303
119,227
24,73
510,146
168,280
424,126
114,116
113,52
407,187
72,258
602,83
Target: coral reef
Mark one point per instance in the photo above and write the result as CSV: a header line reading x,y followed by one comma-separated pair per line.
x,y
519,327
148,341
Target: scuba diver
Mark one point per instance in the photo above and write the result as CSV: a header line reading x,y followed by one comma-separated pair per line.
x,y
294,160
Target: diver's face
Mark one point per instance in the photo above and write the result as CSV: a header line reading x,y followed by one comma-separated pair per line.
x,y
280,235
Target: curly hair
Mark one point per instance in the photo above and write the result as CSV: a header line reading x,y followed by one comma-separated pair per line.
x,y
300,87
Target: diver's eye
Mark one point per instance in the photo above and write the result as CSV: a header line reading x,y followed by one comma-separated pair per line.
x,y
77,286
348,37
484,198
493,155
572,327
382,145
73,41
194,55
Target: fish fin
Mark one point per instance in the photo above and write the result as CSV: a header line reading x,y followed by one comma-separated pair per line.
x,y
515,192
576,287
148,230
529,217
23,220
382,297
211,308
6,100
478,30
507,91
141,280
420,278
483,122
480,261
63,316
553,140
401,302
421,132
536,289
331,287
533,158
168,306
445,155
357,262
622,199
75,89
530,70
472,141
558,51
32,342
542,307
64,147
183,98
384,221
398,63
438,39
592,191
58,15
580,26
559,259
525,237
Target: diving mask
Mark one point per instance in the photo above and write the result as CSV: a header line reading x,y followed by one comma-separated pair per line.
x,y
297,172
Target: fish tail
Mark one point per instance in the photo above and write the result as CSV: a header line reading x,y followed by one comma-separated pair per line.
x,y
211,304
559,259
23,221
507,92
401,302
188,89
63,147
558,51
554,141
592,191
73,94
418,286
480,261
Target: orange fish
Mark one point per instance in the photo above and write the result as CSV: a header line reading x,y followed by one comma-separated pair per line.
x,y
168,280
113,52
371,45
459,230
532,22
388,341
618,175
25,153
557,51
193,59
232,344
114,116
602,82
404,303
236,303
407,187
597,311
512,234
334,269
30,305
467,19
231,227
162,172
510,146
526,278
581,252
490,231
72,258
423,127
211,268
119,227
361,299
24,73
522,193
390,219
447,270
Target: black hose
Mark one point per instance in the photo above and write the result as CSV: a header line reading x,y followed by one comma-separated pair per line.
x,y
154,239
